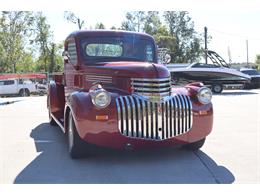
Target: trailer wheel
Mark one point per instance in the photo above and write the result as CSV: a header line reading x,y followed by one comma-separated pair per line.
x,y
76,144
195,145
24,92
217,88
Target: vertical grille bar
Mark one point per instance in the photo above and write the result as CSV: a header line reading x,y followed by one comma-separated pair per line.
x,y
172,117
154,120
168,119
139,131
140,118
157,121
190,112
129,117
134,123
182,113
144,118
119,118
149,119
165,120
185,112
178,122
124,115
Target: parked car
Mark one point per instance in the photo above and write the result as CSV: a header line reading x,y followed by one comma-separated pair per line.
x,y
255,78
16,87
114,94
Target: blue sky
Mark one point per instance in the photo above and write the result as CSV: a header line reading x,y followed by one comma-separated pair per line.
x,y
230,23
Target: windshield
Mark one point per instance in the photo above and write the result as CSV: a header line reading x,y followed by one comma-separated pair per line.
x,y
127,48
250,72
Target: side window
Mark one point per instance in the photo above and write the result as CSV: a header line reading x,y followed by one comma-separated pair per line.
x,y
20,81
72,52
9,82
149,53
2,83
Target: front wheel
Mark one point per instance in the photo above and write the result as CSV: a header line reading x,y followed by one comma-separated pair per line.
x,y
76,144
195,145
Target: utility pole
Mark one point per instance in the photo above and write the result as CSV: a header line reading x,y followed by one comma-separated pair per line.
x,y
247,61
206,42
229,55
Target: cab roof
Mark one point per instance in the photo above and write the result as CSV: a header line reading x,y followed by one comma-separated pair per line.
x,y
84,33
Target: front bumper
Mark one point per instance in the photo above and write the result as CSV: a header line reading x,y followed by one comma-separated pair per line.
x,y
111,132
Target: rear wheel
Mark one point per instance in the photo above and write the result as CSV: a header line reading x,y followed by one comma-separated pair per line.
x,y
76,144
195,145
24,92
217,88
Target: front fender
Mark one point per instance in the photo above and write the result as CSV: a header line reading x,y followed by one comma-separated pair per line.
x,y
86,114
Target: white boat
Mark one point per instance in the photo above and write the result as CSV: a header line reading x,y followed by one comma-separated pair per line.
x,y
215,76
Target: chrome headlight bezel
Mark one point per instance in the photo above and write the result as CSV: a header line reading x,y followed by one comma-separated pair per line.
x,y
204,95
100,97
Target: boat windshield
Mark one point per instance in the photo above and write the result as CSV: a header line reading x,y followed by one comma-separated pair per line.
x,y
200,65
114,48
251,72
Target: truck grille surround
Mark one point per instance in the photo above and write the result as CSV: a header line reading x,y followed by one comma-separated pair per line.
x,y
143,116
154,89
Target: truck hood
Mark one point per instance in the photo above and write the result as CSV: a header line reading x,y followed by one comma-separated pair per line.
x,y
129,70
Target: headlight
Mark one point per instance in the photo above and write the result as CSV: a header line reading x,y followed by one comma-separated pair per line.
x,y
100,98
204,95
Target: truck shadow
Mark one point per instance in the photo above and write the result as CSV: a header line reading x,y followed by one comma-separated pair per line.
x,y
168,165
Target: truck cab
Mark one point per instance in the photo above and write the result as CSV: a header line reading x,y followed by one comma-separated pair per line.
x,y
113,93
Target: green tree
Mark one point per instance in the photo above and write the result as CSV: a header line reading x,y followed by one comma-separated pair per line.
x,y
56,60
134,21
14,28
152,22
100,26
43,38
180,25
71,17
26,63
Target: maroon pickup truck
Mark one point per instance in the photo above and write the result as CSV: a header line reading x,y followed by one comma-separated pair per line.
x,y
114,94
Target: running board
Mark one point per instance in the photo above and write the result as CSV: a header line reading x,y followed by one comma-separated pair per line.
x,y
59,122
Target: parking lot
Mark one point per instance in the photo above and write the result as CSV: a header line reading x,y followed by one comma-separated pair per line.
x,y
32,151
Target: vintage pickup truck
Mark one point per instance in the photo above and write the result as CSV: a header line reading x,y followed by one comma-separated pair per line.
x,y
114,94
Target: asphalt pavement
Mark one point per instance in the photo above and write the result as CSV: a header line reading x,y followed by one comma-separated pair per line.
x,y
32,151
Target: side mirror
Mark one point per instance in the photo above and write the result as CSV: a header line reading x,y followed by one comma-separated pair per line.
x,y
163,55
167,58
66,55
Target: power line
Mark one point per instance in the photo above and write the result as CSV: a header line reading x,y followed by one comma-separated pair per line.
x,y
234,34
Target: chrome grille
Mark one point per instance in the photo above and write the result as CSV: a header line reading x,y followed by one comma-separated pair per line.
x,y
140,118
154,89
